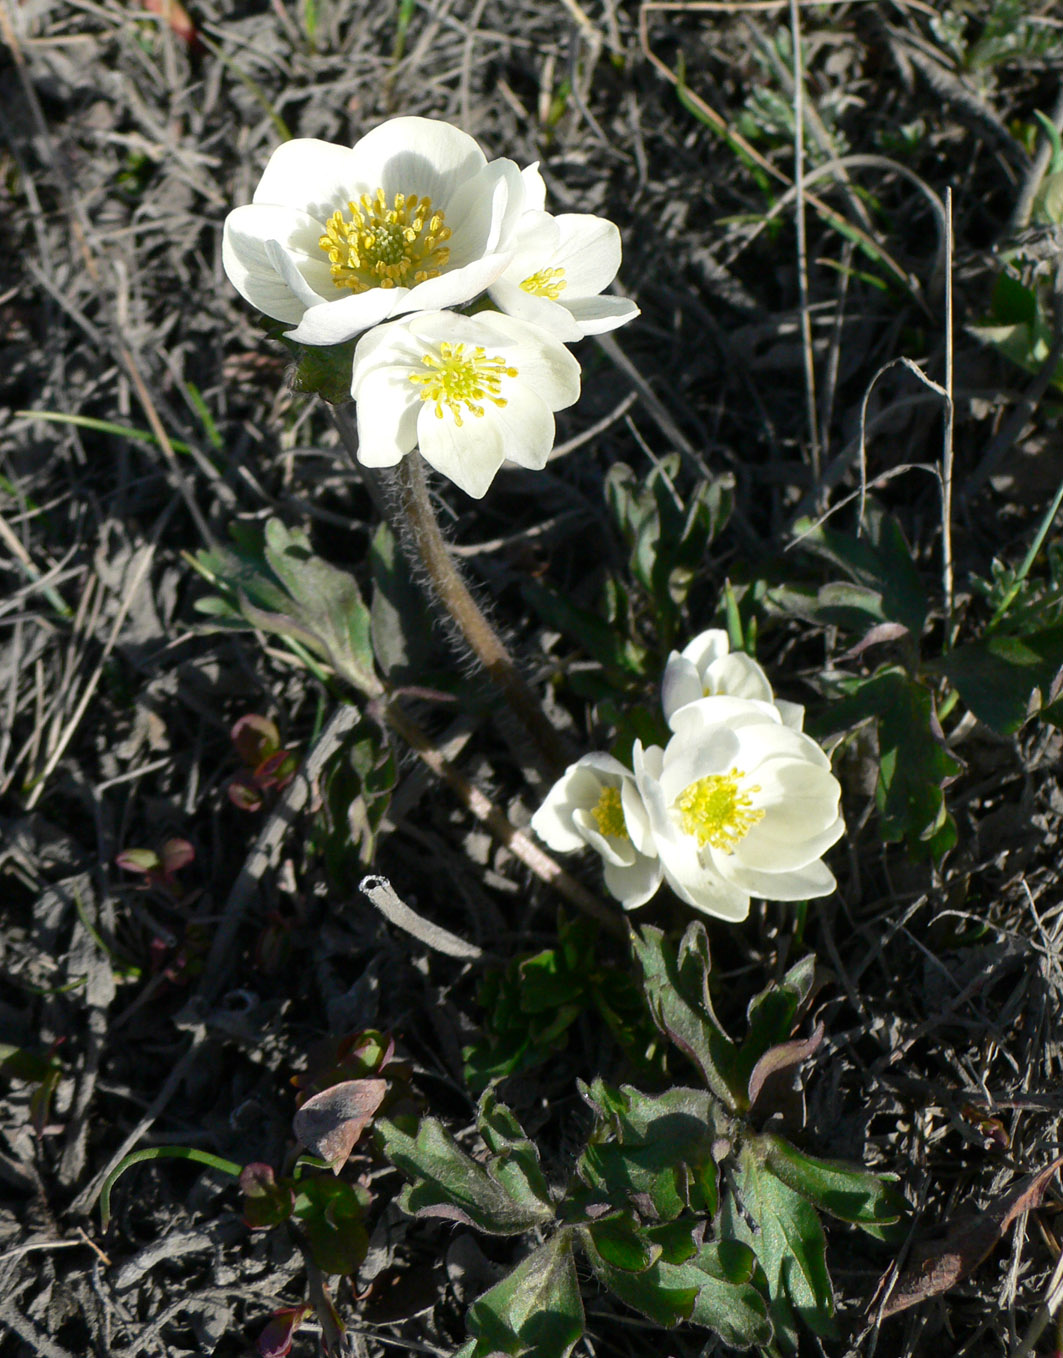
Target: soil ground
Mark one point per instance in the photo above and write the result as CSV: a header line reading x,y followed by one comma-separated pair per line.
x,y
170,416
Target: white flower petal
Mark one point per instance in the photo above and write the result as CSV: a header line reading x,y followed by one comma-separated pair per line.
x,y
792,714
761,745
416,155
680,685
710,756
708,892
738,676
525,424
387,411
535,243
450,289
284,265
337,322
526,306
588,251
316,176
246,262
800,884
469,456
598,315
635,885
765,849
534,187
706,647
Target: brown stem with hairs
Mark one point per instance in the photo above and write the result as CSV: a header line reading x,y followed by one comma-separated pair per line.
x,y
452,593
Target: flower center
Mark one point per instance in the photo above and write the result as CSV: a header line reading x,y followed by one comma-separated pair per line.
x,y
546,283
461,380
609,814
386,247
717,810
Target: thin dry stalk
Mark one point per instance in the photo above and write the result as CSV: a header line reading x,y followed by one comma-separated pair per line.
x,y
808,355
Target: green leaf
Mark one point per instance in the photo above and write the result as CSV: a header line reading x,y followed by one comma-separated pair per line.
x,y
276,583
880,561
676,984
996,676
773,1015
500,1196
854,1195
401,623
266,1202
713,1287
621,1243
535,1312
328,602
789,1242
914,765
655,1152
515,1160
332,1213
604,641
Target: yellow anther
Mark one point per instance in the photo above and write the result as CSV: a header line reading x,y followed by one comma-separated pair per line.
x,y
461,381
609,814
377,246
718,810
546,283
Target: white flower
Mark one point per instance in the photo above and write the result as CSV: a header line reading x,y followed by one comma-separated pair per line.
x,y
595,804
340,238
707,667
737,805
559,267
469,391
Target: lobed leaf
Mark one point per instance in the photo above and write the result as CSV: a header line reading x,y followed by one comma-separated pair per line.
x,y
676,984
789,1242
535,1312
502,1196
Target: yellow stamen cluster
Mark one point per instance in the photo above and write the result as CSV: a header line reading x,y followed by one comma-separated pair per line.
x,y
462,380
717,810
386,247
609,814
546,283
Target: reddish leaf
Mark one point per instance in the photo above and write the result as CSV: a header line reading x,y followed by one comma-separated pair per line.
x,y
138,860
276,771
960,1244
176,854
780,1059
266,1202
255,738
174,14
330,1123
275,1341
243,793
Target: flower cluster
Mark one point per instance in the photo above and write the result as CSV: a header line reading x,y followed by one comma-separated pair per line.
x,y
384,240
738,803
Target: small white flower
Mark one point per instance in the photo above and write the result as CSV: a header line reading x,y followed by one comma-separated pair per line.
x,y
737,805
340,238
559,268
595,805
469,391
707,667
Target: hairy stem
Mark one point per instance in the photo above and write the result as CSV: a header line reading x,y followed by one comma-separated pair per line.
x,y
452,593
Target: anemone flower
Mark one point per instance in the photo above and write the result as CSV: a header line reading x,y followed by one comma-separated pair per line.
x,y
338,239
470,391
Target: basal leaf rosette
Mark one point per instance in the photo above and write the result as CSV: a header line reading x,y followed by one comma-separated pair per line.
x,y
470,391
707,667
338,239
737,805
593,806
559,269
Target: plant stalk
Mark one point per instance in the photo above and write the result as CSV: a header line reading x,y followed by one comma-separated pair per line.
x,y
481,637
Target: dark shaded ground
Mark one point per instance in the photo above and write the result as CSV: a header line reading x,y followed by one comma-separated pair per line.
x,y
125,147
